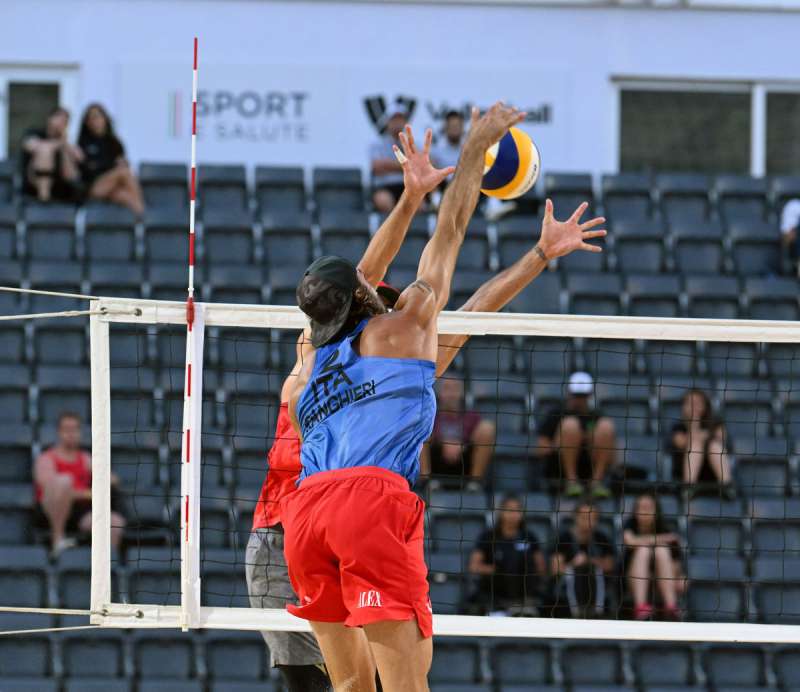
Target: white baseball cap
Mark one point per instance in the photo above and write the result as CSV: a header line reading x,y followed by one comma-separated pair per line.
x,y
580,383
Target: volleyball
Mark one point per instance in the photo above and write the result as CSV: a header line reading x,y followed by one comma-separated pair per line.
x,y
512,166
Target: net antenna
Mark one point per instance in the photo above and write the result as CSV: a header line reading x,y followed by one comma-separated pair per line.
x,y
192,410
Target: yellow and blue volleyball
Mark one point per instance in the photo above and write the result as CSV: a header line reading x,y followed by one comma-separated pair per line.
x,y
511,166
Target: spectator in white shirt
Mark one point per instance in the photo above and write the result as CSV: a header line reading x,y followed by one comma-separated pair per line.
x,y
790,224
387,173
446,152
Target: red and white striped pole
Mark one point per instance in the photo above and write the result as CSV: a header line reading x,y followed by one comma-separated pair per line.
x,y
192,193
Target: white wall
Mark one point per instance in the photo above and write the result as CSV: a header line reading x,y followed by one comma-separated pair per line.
x,y
135,55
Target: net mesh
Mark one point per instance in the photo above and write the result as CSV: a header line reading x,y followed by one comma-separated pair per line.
x,y
695,515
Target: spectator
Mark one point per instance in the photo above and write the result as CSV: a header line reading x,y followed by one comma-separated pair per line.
x,y
105,172
510,562
790,222
49,162
652,550
387,173
462,441
447,152
62,478
581,560
577,441
697,445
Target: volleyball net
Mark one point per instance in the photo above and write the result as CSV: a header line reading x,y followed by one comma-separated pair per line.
x,y
181,452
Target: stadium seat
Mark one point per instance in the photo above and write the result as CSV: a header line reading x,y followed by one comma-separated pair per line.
x,y
287,239
756,247
109,233
14,394
585,261
597,294
116,279
168,280
783,188
698,247
455,530
715,537
23,576
778,536
15,440
778,603
242,349
344,233
166,235
568,190
474,253
13,346
514,237
97,685
8,228
7,167
63,388
54,275
627,196
36,684
222,188
223,583
592,664
639,245
549,360
653,296
280,189
731,360
490,356
735,666
522,663
251,414
747,407
228,237
716,588
465,283
643,453
235,283
337,188
447,592
25,656
94,654
773,298
165,185
132,403
11,274
50,232
714,297
666,359
663,665
683,196
609,357
15,526
504,402
543,297
283,287
509,472
215,526
626,402
411,250
455,661
741,197
169,685
786,663
60,342
236,656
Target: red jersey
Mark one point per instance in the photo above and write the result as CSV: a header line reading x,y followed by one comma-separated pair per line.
x,y
79,468
283,470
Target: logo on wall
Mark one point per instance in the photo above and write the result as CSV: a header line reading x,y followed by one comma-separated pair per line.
x,y
379,113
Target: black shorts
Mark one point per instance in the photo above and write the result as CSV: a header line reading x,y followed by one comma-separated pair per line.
x,y
439,467
78,511
555,473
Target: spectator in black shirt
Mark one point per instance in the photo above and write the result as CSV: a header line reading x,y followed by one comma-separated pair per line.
x,y
510,562
577,441
697,445
105,171
49,162
652,549
581,559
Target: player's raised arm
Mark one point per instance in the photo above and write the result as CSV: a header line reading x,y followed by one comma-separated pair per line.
x,y
558,238
419,178
429,294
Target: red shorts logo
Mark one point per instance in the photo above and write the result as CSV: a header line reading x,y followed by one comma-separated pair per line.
x,y
369,599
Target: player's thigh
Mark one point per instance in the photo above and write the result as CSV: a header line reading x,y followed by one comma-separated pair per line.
x,y
347,656
402,654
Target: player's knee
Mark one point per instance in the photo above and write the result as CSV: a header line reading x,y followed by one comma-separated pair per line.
x,y
58,489
570,431
485,432
604,429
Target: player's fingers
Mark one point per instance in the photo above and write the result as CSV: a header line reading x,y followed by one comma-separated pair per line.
x,y
593,222
404,142
600,233
591,248
410,135
399,155
444,172
548,208
579,211
428,140
473,118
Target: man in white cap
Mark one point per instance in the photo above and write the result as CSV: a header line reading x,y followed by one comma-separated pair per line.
x,y
577,442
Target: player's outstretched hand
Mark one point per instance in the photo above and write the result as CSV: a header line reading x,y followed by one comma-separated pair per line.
x,y
419,175
560,238
489,128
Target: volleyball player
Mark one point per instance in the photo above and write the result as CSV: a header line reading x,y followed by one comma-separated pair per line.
x,y
364,404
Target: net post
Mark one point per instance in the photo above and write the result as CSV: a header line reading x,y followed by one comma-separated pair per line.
x,y
101,464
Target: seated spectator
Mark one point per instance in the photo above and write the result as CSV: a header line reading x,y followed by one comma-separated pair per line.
x,y
50,164
790,222
578,442
652,551
387,173
105,171
447,152
462,442
581,560
510,562
62,477
697,444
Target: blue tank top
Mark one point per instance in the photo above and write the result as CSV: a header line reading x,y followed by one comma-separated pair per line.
x,y
365,410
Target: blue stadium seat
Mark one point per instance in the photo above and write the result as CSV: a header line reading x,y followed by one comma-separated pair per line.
x,y
8,227
568,190
415,241
116,279
15,440
242,349
14,393
683,196
732,360
169,685
456,531
446,593
490,356
639,245
465,283
132,403
168,280
783,188
747,407
287,239
698,246
627,196
165,185
166,236
627,403
228,237
33,684
239,656
653,296
514,236
462,687
25,656
50,232
97,685
60,342
215,527
63,388
736,666
522,663
236,686
773,298
756,247
251,414
12,343
458,501
337,188
63,275
741,197
222,188
475,248
164,655
715,537
344,232
715,297
786,663
7,167
543,297
23,576
716,590
280,188
670,358
594,294
93,654
235,283
109,233
592,664
455,661
663,665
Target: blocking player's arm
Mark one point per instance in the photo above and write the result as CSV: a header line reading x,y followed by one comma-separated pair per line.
x,y
419,178
558,238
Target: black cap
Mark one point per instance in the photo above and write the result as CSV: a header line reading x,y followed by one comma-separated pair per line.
x,y
325,294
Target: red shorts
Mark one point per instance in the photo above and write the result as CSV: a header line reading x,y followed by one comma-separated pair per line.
x,y
354,546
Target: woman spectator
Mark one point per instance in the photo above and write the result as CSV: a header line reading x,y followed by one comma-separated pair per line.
x,y
49,162
105,171
697,444
510,563
652,550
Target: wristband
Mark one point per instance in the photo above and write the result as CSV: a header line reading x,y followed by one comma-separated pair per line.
x,y
540,252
